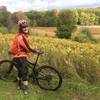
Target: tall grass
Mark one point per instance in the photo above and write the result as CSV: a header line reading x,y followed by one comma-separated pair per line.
x,y
72,59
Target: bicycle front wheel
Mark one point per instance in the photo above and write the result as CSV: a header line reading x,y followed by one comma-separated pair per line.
x,y
8,71
49,78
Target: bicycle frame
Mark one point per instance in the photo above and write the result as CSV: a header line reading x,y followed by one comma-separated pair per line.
x,y
34,64
33,72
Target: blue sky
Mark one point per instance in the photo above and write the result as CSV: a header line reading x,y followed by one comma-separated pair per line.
x,y
26,5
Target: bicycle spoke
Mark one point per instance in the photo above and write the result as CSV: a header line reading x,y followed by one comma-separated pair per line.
x,y
48,78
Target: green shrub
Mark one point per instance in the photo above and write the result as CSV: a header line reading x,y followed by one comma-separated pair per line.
x,y
68,19
87,18
3,30
84,36
63,32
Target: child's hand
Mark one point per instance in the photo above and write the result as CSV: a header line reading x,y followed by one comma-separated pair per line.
x,y
39,52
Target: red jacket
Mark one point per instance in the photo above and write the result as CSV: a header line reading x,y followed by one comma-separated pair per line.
x,y
16,49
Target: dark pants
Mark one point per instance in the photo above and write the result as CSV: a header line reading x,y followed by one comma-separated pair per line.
x,y
22,67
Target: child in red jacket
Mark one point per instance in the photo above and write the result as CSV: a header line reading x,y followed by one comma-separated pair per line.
x,y
20,53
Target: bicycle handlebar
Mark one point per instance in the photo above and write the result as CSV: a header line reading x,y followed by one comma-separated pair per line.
x,y
37,51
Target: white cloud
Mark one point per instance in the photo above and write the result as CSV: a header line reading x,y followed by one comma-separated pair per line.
x,y
56,3
25,5
16,5
82,2
40,4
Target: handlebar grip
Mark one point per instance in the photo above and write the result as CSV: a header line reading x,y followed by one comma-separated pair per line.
x,y
37,51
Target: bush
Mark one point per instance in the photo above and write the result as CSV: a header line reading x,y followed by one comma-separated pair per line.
x,y
88,19
84,36
67,23
3,30
63,32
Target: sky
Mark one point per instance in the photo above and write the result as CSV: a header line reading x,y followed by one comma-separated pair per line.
x,y
27,5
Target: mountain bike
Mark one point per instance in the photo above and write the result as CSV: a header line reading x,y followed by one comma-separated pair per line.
x,y
46,76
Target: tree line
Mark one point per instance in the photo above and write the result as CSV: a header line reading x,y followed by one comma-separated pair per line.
x,y
50,18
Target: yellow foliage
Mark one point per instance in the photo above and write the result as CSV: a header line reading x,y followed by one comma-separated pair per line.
x,y
72,59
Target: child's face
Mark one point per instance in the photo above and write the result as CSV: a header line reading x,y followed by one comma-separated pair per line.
x,y
25,30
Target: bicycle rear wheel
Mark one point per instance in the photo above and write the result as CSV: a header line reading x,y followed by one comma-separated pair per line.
x,y
8,71
49,78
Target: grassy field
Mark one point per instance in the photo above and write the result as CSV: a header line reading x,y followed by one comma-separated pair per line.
x,y
50,31
70,90
79,64
44,31
93,29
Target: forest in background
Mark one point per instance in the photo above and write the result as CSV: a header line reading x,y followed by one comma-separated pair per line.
x,y
49,18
